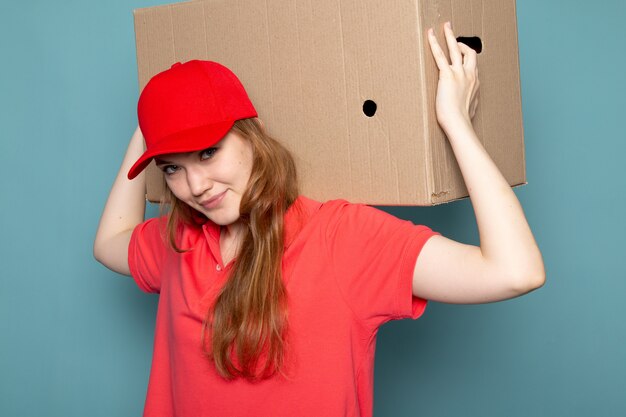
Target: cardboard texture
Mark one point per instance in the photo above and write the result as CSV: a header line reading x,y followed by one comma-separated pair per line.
x,y
309,67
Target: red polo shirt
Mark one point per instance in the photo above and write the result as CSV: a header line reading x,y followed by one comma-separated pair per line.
x,y
347,269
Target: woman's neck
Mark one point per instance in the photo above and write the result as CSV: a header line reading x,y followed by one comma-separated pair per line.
x,y
231,237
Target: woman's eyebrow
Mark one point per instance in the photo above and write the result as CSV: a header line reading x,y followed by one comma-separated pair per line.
x,y
160,161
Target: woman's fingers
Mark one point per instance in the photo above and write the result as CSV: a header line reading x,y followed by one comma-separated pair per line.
x,y
453,45
438,54
470,68
461,55
469,57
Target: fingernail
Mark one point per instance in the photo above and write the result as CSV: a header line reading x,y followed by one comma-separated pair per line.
x,y
448,25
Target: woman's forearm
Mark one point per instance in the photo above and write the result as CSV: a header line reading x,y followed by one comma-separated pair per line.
x,y
124,209
505,236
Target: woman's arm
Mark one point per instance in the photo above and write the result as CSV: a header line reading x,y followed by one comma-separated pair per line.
x,y
508,262
124,209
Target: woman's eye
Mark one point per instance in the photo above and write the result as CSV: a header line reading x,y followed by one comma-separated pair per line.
x,y
207,153
169,169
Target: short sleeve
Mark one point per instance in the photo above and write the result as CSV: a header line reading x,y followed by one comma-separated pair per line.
x,y
147,252
373,255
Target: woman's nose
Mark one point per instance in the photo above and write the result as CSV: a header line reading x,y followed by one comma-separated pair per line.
x,y
198,180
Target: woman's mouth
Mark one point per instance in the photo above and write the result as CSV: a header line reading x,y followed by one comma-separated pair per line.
x,y
213,201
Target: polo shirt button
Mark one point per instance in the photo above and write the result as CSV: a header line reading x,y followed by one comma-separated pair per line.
x,y
218,267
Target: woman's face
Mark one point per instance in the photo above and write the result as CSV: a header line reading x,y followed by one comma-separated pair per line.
x,y
212,180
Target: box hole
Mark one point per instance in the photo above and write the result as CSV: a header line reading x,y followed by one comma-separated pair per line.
x,y
473,42
369,108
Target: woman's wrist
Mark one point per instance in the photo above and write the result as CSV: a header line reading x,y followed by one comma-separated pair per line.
x,y
459,128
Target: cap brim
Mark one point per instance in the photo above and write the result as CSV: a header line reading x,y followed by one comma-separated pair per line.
x,y
189,140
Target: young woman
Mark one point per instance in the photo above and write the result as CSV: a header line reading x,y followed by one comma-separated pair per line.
x,y
270,302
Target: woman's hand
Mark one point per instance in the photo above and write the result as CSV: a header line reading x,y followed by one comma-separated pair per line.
x,y
457,91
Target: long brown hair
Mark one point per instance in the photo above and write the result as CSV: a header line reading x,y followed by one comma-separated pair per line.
x,y
249,317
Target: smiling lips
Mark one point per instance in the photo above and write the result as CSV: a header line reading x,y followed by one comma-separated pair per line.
x,y
213,201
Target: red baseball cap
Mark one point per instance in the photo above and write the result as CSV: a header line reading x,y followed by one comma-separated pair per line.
x,y
189,107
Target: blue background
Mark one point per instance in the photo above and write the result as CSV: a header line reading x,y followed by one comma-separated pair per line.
x,y
77,338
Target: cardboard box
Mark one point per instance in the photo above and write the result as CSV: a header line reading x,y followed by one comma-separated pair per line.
x,y
312,68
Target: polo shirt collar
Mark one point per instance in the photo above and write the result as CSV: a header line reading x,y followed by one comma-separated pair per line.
x,y
296,217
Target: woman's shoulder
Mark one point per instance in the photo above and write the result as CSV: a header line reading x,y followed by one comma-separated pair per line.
x,y
341,206
332,212
327,205
313,209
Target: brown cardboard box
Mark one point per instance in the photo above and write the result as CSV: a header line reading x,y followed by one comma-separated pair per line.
x,y
310,67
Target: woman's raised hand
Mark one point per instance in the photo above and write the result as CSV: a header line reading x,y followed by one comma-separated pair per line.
x,y
508,262
457,91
